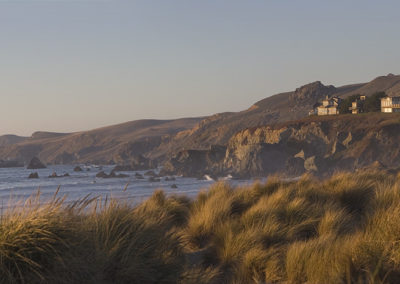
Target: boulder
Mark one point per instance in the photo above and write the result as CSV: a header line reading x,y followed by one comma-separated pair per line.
x,y
102,174
154,179
35,163
150,174
33,175
54,175
78,169
139,176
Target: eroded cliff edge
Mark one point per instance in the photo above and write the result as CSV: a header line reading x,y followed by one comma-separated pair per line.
x,y
321,145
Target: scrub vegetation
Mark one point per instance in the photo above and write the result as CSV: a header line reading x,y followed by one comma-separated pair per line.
x,y
344,229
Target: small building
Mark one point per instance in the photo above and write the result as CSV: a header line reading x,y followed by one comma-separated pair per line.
x,y
330,106
358,105
390,104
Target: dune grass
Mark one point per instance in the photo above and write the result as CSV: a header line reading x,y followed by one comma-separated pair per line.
x,y
345,229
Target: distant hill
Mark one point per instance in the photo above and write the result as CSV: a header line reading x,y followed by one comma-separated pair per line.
x,y
45,135
102,145
161,139
7,140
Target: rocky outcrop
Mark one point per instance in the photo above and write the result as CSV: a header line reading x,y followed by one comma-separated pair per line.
x,y
54,175
35,163
139,176
102,174
33,176
196,163
320,145
312,92
78,169
154,179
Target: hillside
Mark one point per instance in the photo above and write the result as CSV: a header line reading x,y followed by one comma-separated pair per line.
x,y
7,140
102,145
160,140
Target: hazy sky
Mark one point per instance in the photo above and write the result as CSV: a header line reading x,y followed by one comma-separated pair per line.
x,y
75,65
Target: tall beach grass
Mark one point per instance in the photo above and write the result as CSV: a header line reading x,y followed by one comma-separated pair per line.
x,y
345,229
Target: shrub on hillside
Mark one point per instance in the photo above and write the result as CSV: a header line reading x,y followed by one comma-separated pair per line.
x,y
373,103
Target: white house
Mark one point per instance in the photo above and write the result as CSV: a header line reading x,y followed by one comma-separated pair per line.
x,y
358,105
330,106
390,104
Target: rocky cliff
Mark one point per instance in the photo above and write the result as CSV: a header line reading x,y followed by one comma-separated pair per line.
x,y
321,145
219,128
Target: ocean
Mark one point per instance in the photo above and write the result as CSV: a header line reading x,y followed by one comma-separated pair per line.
x,y
16,188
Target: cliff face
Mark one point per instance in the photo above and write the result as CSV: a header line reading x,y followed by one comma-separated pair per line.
x,y
219,128
318,145
196,163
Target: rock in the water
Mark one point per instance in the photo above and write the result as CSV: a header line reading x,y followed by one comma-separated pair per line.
x,y
54,175
151,174
174,186
139,176
78,169
154,179
33,175
102,174
169,178
35,163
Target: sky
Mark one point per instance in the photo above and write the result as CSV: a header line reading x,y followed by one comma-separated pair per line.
x,y
72,65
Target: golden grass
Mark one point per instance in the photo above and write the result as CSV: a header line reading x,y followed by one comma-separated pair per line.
x,y
344,229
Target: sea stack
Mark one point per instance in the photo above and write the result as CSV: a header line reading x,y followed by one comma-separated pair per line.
x,y
35,163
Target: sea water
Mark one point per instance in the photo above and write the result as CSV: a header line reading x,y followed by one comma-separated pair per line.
x,y
15,187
